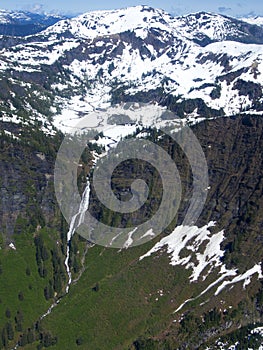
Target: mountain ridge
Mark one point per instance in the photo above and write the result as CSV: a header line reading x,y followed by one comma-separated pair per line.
x,y
208,292
22,23
88,60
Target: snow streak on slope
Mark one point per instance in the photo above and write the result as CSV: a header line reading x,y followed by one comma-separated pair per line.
x,y
213,26
246,277
204,256
258,20
192,238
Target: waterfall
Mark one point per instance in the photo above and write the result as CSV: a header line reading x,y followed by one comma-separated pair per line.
x,y
83,207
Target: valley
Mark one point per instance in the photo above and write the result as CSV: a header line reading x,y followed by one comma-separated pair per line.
x,y
116,77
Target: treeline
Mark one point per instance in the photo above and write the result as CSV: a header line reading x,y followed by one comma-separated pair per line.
x,y
243,338
31,335
51,265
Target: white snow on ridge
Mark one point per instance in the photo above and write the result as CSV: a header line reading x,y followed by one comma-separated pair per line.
x,y
246,277
9,16
169,58
140,19
214,26
22,17
110,22
12,246
32,55
192,239
258,20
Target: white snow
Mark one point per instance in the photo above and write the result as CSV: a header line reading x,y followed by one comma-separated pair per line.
x,y
148,233
192,238
258,20
147,116
188,69
30,56
12,246
258,330
129,241
216,27
189,239
243,277
100,23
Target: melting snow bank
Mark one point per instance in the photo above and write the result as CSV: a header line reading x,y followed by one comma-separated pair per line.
x,y
191,238
204,256
258,330
12,246
246,277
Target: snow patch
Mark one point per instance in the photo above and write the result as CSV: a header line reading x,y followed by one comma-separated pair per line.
x,y
243,277
12,246
204,247
191,238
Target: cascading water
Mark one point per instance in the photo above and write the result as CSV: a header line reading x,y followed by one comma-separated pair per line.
x,y
84,204
74,224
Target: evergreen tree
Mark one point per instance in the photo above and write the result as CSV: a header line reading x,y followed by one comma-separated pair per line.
x,y
30,336
23,340
4,337
79,341
18,321
9,331
20,296
8,313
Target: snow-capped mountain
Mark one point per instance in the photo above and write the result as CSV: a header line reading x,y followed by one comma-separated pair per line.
x,y
258,20
200,66
103,57
21,23
143,18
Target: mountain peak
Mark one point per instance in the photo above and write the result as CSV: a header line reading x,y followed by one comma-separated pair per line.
x,y
110,22
202,57
211,27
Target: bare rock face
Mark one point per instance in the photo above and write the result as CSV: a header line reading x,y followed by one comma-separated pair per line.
x,y
27,194
233,148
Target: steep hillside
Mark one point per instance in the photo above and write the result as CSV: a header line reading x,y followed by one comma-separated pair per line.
x,y
30,227
153,301
111,74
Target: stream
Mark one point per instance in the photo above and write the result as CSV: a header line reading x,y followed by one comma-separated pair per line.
x,y
76,221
